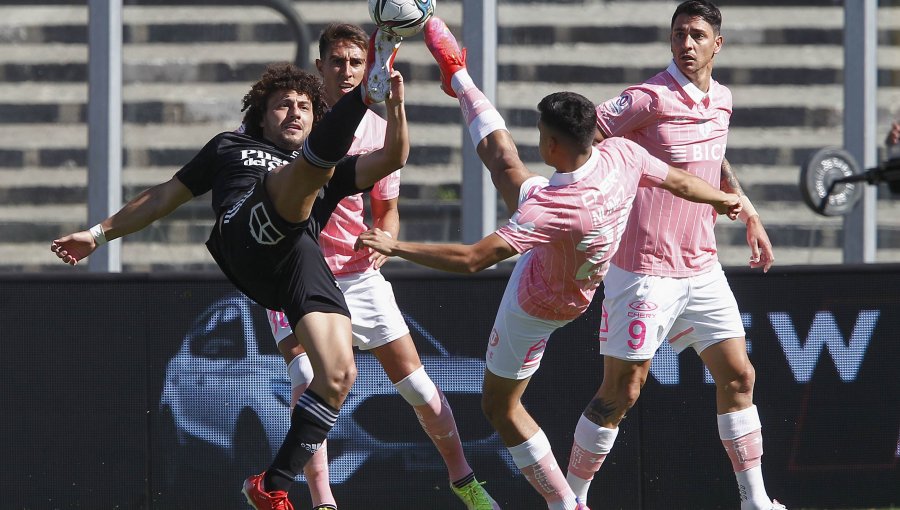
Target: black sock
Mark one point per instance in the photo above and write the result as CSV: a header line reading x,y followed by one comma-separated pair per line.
x,y
310,422
333,135
459,484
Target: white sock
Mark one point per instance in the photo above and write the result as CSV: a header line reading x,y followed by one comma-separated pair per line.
x,y
460,81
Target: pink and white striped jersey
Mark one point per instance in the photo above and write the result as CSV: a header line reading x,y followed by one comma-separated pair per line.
x,y
687,128
573,226
348,219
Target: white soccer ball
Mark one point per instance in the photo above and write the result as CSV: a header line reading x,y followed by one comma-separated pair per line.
x,y
405,18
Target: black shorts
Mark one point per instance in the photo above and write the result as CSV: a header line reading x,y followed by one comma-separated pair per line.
x,y
274,262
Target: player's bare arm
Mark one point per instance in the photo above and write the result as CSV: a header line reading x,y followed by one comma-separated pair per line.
x,y
729,182
499,154
372,167
385,216
690,187
454,258
142,210
761,254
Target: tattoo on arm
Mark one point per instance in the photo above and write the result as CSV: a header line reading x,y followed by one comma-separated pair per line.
x,y
729,182
599,411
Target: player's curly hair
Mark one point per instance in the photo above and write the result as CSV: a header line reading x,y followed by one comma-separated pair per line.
x,y
571,115
277,77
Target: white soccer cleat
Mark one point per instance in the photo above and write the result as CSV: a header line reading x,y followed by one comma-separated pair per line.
x,y
777,506
376,82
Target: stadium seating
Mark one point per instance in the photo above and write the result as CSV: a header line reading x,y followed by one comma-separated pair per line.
x,y
186,69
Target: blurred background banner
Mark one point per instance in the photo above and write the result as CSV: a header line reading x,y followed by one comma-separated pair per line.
x,y
138,391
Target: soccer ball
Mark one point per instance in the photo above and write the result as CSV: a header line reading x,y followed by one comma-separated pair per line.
x,y
404,18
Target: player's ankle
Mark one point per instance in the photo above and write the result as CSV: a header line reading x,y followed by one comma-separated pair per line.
x,y
461,81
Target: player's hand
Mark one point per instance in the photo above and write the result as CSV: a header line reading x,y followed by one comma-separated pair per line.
x,y
397,92
761,254
74,247
378,240
729,206
893,137
377,259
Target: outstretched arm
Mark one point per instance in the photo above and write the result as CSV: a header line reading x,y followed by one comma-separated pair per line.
x,y
372,167
761,254
142,210
690,187
455,258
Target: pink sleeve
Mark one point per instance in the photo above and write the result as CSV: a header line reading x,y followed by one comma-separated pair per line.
x,y
387,188
653,171
622,115
535,222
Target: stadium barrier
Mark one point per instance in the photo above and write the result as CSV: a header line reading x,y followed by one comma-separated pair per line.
x,y
164,391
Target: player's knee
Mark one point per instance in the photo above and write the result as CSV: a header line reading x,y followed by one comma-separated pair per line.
x,y
622,393
340,379
743,380
300,371
496,410
417,388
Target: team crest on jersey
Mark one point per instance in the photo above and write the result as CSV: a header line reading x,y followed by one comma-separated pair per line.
x,y
261,227
619,104
642,306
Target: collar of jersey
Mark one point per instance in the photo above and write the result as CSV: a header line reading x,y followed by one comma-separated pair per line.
x,y
692,90
563,178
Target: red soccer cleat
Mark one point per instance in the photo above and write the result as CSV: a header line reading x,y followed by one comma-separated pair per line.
x,y
446,52
262,500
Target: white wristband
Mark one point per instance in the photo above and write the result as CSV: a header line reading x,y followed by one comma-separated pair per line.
x,y
99,236
388,234
747,209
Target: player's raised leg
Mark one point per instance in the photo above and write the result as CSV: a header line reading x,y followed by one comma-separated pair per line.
x,y
294,187
487,129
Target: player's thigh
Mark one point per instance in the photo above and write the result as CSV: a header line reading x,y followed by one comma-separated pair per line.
x,y
293,188
326,339
518,340
710,316
375,316
637,313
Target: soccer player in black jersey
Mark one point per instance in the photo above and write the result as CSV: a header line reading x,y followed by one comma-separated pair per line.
x,y
269,212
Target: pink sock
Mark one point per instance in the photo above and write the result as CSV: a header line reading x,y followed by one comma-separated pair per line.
x,y
436,419
535,460
547,478
316,472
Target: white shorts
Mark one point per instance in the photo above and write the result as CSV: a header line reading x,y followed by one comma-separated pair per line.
x,y
374,313
640,311
518,339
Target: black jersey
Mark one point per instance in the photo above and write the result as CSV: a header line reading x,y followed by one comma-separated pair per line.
x,y
276,263
229,165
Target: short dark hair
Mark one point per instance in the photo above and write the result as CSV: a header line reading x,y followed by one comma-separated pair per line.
x,y
571,115
334,32
703,9
281,76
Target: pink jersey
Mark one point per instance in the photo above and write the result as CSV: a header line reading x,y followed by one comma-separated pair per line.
x,y
573,226
347,221
679,124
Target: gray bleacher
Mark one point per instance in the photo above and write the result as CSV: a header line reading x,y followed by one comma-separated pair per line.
x,y
187,67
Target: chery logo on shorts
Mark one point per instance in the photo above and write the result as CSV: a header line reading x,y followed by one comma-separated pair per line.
x,y
642,309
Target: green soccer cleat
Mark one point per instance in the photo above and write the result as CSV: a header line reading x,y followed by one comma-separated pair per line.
x,y
475,497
